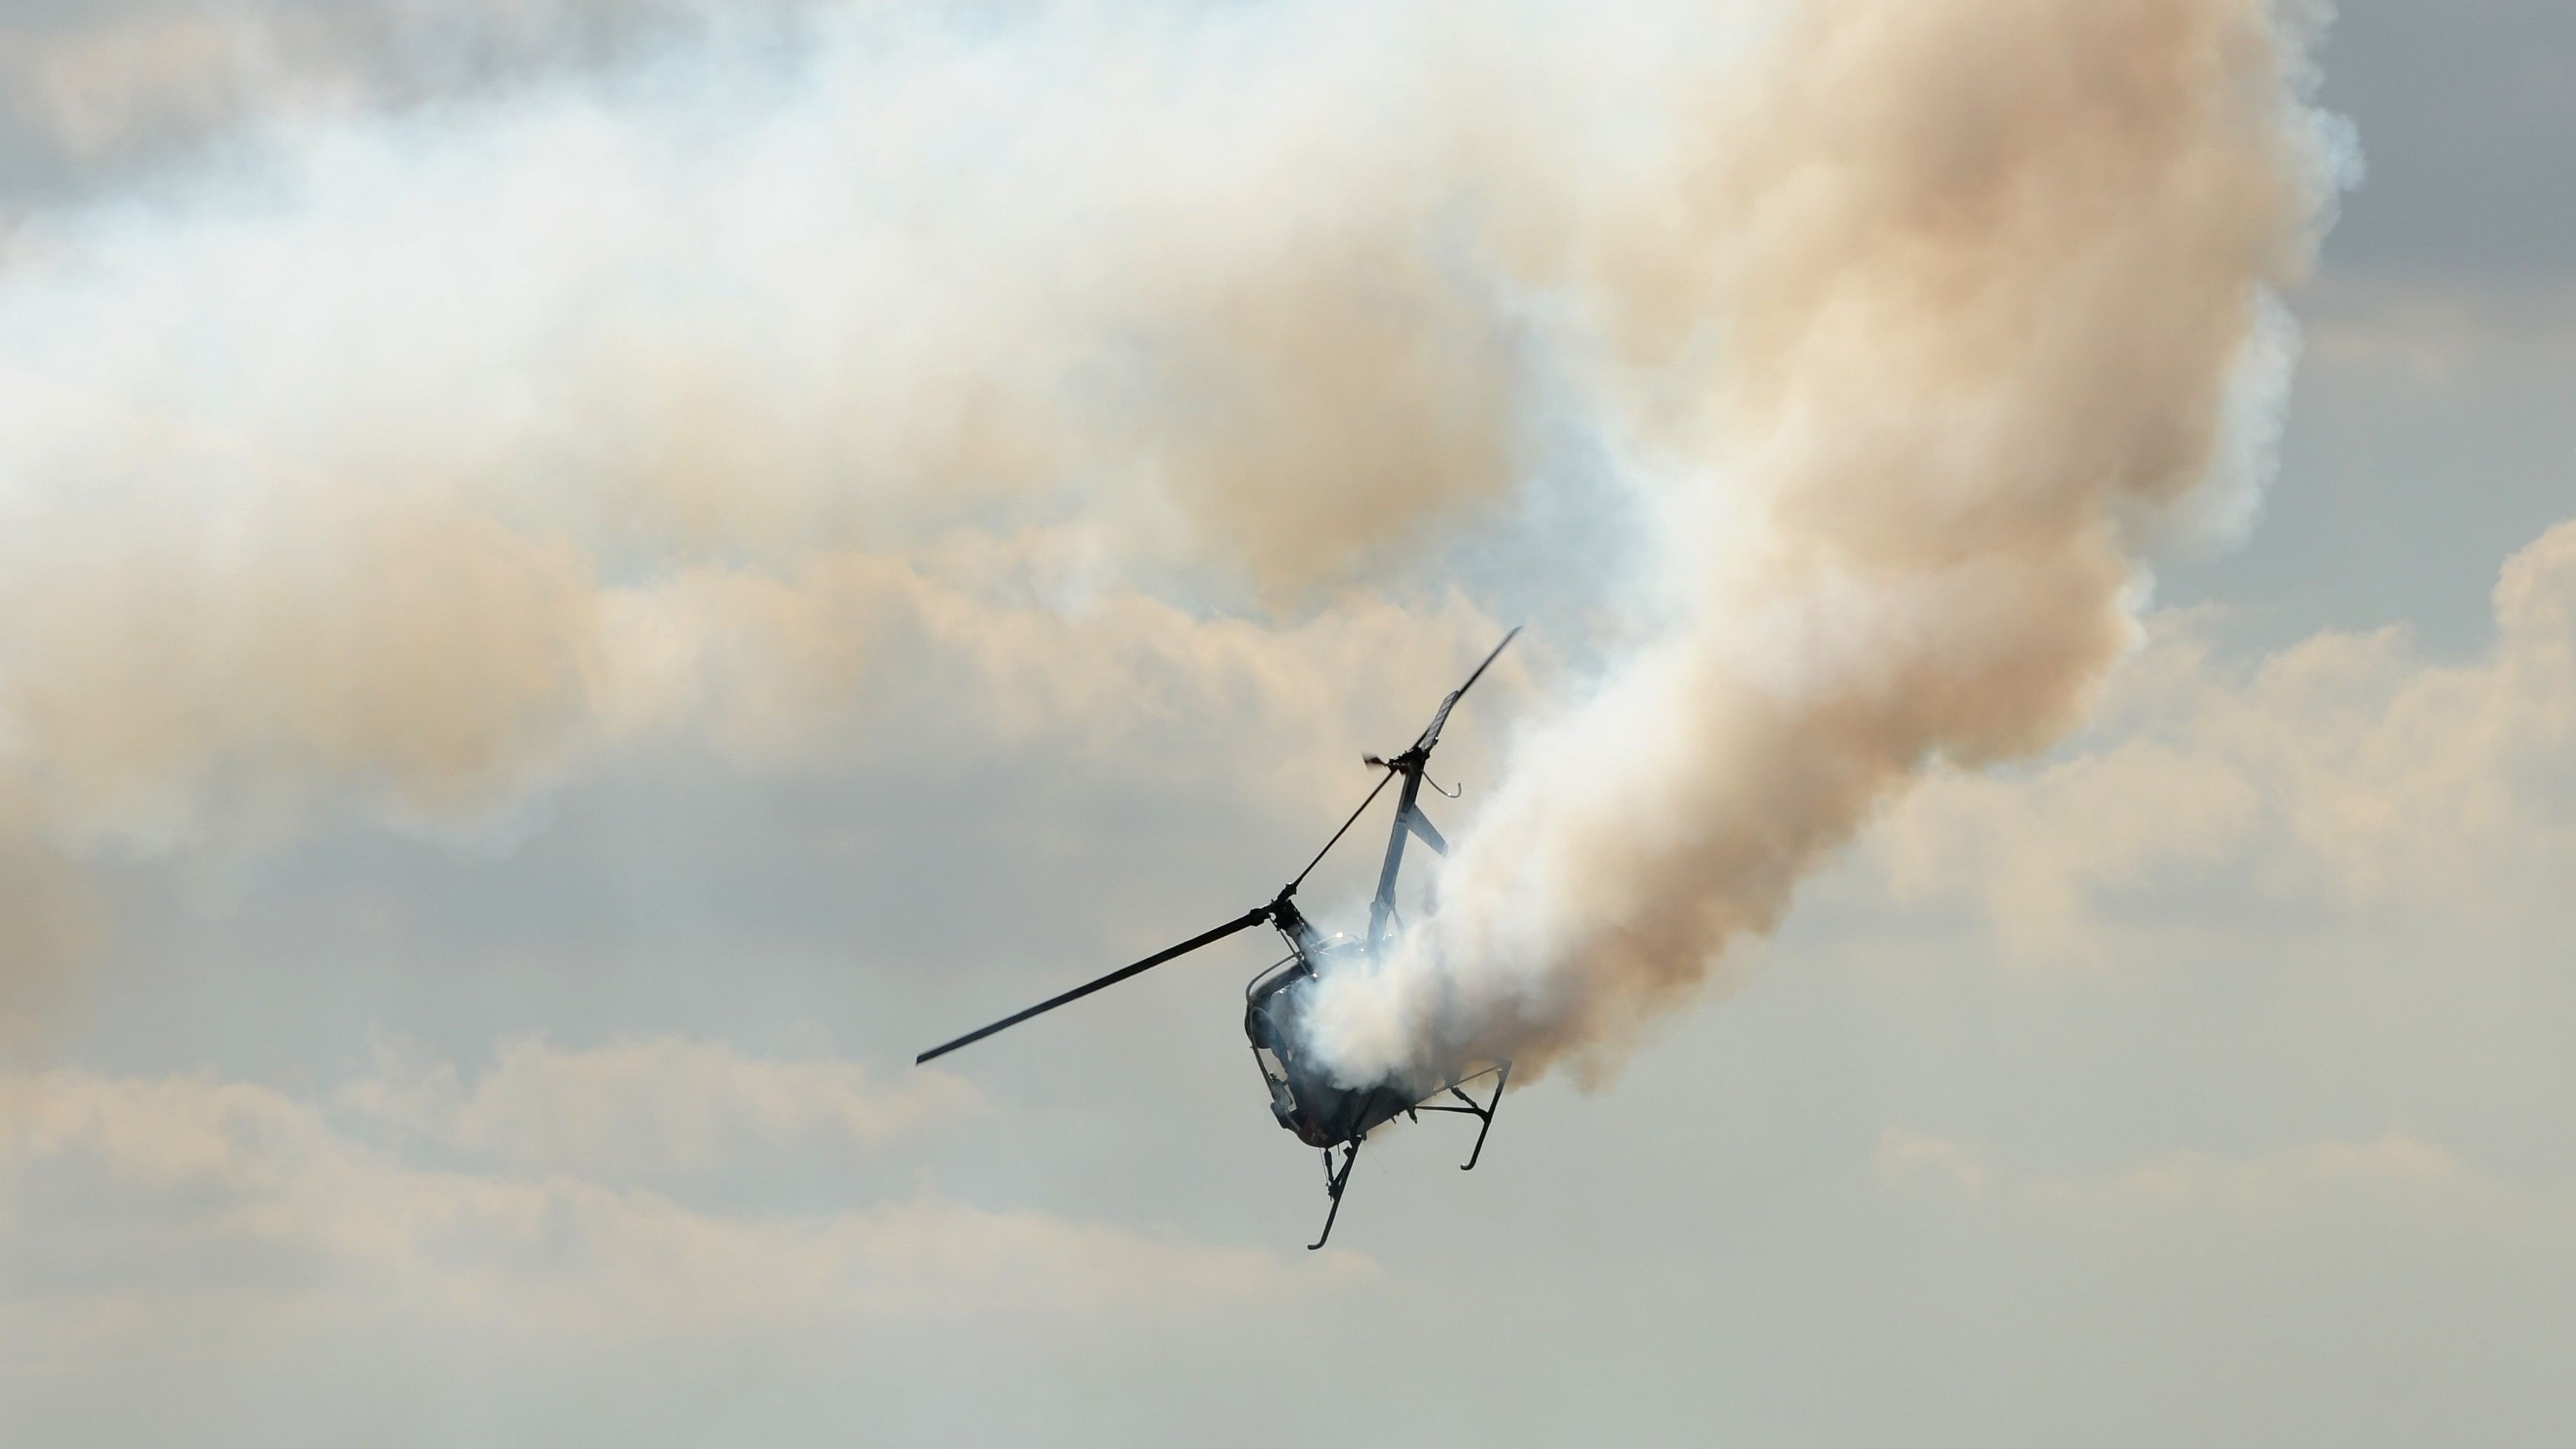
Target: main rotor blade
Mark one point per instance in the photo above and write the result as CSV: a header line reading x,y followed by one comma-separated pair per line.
x,y
1345,830
1431,735
1244,922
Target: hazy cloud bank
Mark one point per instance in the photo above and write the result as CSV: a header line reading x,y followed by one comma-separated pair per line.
x,y
513,1196
2348,770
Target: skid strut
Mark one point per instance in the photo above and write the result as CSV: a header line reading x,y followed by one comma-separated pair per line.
x,y
1483,1112
1334,1182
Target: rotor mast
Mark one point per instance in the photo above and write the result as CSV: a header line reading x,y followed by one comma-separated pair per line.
x,y
1408,816
1409,819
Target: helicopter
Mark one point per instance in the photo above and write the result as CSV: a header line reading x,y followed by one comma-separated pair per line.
x,y
1304,1098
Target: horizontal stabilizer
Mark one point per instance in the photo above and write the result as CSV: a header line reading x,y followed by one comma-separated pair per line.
x,y
1420,825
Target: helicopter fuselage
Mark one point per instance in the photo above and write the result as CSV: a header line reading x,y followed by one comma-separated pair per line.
x,y
1303,1097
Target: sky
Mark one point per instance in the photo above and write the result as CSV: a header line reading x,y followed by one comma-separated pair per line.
x,y
564,619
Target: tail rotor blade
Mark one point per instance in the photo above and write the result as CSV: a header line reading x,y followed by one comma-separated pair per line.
x,y
1244,922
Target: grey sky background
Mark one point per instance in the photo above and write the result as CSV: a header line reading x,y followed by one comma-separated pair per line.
x,y
2172,1119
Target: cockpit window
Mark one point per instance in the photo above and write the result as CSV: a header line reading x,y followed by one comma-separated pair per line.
x,y
1283,1101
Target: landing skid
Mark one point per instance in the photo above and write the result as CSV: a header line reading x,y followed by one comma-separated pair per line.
x,y
1481,1111
1338,1178
1334,1182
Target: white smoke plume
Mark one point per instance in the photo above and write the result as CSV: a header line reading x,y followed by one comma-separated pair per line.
x,y
1990,292
426,454
405,460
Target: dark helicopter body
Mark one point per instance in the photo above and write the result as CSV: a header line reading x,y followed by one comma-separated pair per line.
x,y
1306,1100
1304,1097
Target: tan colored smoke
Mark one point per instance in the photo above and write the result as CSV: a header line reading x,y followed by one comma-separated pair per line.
x,y
1983,288
465,446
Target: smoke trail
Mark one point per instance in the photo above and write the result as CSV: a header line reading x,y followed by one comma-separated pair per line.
x,y
1994,278
390,466
426,455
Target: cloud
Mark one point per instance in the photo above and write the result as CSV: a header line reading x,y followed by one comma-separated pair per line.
x,y
428,667
1907,1159
136,1203
2393,1160
2396,1158
1028,640
2348,772
643,1108
1904,1157
428,662
2437,333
